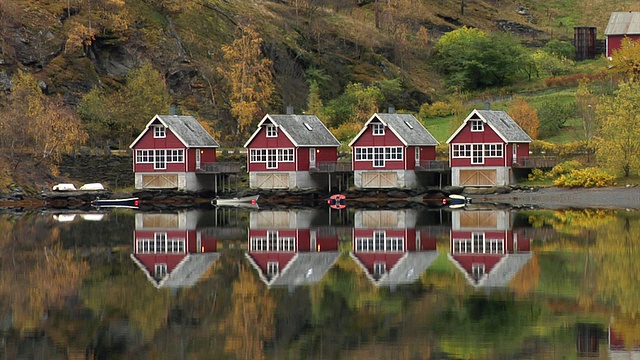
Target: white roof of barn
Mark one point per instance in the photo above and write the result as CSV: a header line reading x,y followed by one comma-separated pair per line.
x,y
508,130
302,130
405,126
623,23
186,128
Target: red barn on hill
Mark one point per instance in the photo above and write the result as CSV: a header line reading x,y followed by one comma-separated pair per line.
x,y
285,150
176,152
389,149
621,25
485,147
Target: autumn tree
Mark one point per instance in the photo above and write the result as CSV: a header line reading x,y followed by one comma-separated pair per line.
x,y
248,74
36,125
619,116
626,60
95,18
525,115
121,115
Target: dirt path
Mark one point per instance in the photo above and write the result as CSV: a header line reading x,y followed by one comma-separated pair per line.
x,y
555,198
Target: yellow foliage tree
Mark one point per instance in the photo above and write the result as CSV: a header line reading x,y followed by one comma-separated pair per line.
x,y
626,60
36,125
249,76
619,116
525,115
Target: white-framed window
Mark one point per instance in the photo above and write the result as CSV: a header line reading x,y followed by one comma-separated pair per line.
x,y
273,268
379,242
477,125
461,150
477,269
160,161
477,154
378,157
160,271
493,150
272,242
379,269
271,130
144,156
377,129
271,156
159,131
175,155
379,154
160,244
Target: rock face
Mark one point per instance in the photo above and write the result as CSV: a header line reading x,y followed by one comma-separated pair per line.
x,y
110,170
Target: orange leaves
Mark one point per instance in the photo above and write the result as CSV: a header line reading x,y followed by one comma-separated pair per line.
x,y
525,115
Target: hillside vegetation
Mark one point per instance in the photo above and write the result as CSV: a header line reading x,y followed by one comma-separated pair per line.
x,y
73,46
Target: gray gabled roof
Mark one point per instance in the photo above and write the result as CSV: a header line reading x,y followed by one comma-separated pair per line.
x,y
186,273
302,130
501,274
406,271
405,126
508,130
623,23
186,128
305,268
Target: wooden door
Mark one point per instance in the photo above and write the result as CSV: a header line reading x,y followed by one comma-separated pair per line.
x,y
379,179
478,177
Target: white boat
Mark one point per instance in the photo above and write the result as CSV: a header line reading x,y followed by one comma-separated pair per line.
x,y
246,201
131,203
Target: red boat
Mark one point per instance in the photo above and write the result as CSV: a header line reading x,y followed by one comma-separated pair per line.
x,y
337,201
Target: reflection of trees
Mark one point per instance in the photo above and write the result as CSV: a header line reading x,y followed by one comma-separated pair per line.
x,y
250,322
487,326
127,293
37,274
617,255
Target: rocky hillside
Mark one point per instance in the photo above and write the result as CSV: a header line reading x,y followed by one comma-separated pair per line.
x,y
74,45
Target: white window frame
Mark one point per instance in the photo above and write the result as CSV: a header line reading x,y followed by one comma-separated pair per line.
x,y
493,150
174,155
160,271
159,132
379,268
273,268
271,130
477,154
378,157
160,244
160,159
461,151
477,125
377,129
144,156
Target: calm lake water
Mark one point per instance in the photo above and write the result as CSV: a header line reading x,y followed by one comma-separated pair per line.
x,y
419,283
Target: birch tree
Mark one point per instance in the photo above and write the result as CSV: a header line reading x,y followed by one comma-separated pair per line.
x,y
248,74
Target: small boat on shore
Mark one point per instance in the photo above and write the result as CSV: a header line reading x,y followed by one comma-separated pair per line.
x,y
131,203
456,201
246,201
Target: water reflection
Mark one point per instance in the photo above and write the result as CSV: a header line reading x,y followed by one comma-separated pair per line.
x,y
485,247
291,248
389,247
173,249
315,283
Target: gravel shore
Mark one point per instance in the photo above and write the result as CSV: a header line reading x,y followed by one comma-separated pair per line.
x,y
557,198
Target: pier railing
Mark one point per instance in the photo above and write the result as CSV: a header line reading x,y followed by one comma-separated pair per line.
x,y
432,165
331,167
536,162
222,167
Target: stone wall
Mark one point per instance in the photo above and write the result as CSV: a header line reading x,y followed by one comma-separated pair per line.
x,y
113,171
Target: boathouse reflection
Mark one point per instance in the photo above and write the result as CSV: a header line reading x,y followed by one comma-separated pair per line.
x,y
388,247
291,247
485,247
174,249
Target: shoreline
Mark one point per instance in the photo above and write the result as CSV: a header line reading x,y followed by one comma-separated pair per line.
x,y
621,197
